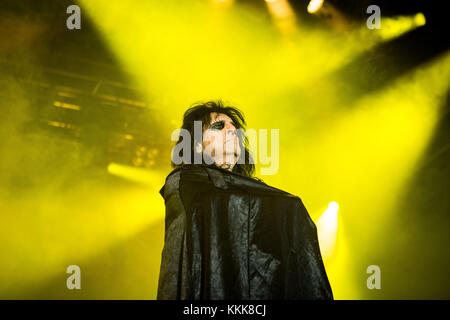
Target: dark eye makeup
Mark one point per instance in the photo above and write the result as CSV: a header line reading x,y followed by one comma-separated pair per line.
x,y
219,125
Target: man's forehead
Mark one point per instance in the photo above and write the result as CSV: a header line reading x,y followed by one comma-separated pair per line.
x,y
219,116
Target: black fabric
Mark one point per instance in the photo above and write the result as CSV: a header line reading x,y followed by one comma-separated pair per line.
x,y
232,237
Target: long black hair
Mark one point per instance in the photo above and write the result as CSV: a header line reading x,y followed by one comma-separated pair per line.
x,y
201,111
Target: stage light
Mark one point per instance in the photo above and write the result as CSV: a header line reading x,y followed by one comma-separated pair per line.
x,y
143,176
280,8
283,15
396,26
327,226
314,5
420,19
64,105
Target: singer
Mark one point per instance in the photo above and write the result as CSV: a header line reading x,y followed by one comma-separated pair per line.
x,y
228,235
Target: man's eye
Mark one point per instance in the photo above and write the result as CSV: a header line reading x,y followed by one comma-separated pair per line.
x,y
219,125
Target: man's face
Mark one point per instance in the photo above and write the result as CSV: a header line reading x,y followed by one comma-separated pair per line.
x,y
220,141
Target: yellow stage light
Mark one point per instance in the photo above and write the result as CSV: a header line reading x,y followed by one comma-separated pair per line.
x,y
146,177
396,26
283,15
327,226
314,5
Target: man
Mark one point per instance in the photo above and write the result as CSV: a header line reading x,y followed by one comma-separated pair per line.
x,y
228,235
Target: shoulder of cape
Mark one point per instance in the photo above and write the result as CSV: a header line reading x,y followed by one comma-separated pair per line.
x,y
201,171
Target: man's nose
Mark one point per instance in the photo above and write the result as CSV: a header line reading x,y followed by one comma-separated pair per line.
x,y
231,132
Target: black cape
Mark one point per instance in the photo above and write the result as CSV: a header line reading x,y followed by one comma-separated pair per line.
x,y
232,237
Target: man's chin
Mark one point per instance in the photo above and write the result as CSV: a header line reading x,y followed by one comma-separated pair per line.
x,y
226,166
229,165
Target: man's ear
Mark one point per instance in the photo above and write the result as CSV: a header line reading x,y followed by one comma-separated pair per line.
x,y
198,147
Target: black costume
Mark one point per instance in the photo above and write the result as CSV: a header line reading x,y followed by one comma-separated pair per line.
x,y
232,237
